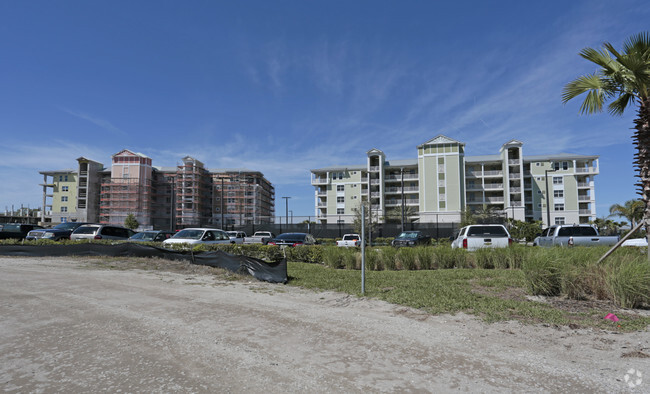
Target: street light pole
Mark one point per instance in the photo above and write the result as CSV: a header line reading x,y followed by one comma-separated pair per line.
x,y
286,219
548,207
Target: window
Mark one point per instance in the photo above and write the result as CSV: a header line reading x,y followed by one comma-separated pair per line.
x,y
563,165
64,188
340,188
340,199
539,192
559,207
340,211
64,198
558,193
537,164
65,178
559,220
64,209
558,180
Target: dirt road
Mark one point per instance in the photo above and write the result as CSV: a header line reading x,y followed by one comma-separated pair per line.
x,y
69,327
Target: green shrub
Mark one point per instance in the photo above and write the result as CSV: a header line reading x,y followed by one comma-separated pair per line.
x,y
406,259
388,256
425,257
543,273
629,281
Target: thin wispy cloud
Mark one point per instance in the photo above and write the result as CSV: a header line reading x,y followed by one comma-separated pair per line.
x,y
101,123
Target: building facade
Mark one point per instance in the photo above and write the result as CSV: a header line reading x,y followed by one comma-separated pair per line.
x,y
186,195
442,182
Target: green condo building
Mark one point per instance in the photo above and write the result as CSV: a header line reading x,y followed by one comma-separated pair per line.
x,y
442,182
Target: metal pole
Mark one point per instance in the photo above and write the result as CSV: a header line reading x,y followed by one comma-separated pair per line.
x,y
286,214
548,207
221,196
363,250
402,171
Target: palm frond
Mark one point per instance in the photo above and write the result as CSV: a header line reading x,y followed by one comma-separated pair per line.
x,y
601,58
638,43
593,85
617,107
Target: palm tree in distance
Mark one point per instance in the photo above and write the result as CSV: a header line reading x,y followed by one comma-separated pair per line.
x,y
632,210
622,79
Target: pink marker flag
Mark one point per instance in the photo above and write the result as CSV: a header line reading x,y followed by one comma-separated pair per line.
x,y
612,317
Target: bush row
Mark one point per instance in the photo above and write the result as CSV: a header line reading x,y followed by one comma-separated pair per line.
x,y
623,278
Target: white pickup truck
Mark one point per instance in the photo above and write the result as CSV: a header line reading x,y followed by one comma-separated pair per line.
x,y
574,235
476,236
349,240
260,237
237,237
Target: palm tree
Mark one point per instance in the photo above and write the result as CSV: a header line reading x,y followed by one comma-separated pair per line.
x,y
622,79
632,210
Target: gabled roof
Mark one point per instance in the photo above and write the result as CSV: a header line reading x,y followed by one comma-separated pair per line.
x,y
375,151
441,139
128,152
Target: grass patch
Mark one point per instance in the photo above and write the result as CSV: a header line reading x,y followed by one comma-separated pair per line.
x,y
492,294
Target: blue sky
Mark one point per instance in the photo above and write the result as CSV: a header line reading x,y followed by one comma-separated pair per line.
x,y
286,86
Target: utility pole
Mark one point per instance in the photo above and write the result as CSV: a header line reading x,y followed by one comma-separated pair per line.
x,y
403,202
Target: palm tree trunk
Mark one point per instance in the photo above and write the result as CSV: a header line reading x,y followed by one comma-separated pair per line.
x,y
642,160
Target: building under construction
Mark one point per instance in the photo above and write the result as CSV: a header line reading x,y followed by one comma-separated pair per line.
x,y
187,195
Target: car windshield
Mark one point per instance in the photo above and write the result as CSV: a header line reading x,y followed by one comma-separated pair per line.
x,y
494,231
350,237
66,226
408,235
292,237
584,231
145,236
86,230
189,234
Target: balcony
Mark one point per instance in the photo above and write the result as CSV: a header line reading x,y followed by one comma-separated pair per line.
x,y
515,203
585,169
322,194
514,175
322,205
493,186
399,177
320,181
515,190
408,189
584,184
513,161
373,168
375,194
493,173
584,198
585,212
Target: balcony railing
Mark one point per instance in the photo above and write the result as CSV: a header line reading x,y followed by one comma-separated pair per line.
x,y
513,161
399,190
492,173
320,181
515,203
585,212
585,169
374,168
584,184
399,177
584,198
515,190
492,186
514,175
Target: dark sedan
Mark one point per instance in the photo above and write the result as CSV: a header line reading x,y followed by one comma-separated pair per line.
x,y
60,231
411,238
293,239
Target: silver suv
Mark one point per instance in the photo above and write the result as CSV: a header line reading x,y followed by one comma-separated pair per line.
x,y
101,231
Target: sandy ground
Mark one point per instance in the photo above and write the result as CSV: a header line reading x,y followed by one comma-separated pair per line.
x,y
67,326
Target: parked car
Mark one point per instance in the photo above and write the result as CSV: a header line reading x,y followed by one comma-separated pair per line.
x,y
293,239
237,237
349,240
574,235
101,231
16,230
195,236
151,236
638,242
58,232
260,237
476,236
411,238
